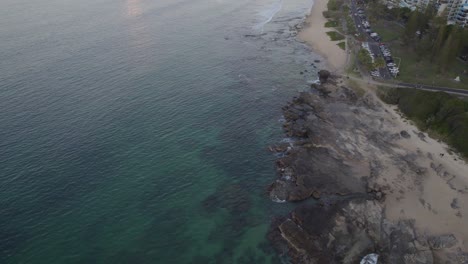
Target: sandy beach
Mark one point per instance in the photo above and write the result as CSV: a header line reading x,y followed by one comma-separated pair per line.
x,y
314,34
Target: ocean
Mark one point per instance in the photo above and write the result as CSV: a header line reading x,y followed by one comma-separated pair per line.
x,y
137,131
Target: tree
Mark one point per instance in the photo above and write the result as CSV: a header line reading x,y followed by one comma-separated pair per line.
x,y
411,27
452,48
365,58
444,55
379,63
441,35
424,47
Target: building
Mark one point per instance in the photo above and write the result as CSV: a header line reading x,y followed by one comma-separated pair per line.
x,y
411,4
457,12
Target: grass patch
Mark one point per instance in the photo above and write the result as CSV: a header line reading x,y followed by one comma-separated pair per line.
x,y
351,26
331,24
342,45
388,31
438,113
334,36
352,68
423,71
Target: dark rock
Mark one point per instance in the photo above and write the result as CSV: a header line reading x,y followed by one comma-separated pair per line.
x,y
379,195
454,204
316,61
338,233
323,75
405,134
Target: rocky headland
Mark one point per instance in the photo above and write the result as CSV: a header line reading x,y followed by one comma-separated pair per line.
x,y
380,191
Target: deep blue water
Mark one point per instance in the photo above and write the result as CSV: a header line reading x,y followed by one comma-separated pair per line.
x,y
136,131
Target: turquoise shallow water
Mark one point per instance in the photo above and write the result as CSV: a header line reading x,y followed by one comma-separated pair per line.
x,y
136,131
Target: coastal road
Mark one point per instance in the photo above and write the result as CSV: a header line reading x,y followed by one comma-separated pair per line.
x,y
454,91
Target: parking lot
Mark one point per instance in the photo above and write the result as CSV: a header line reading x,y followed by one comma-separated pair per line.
x,y
373,43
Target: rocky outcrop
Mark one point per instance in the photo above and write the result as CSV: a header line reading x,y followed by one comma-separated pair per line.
x,y
346,232
338,141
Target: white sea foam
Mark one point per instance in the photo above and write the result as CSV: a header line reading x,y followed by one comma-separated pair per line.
x,y
277,200
317,81
290,141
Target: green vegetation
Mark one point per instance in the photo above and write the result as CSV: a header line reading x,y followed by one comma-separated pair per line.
x,y
377,11
439,113
350,25
327,14
388,31
342,45
416,70
334,36
365,59
334,5
352,69
331,24
431,38
427,46
335,10
379,63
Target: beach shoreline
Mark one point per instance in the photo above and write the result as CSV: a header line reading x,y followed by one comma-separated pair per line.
x,y
314,34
